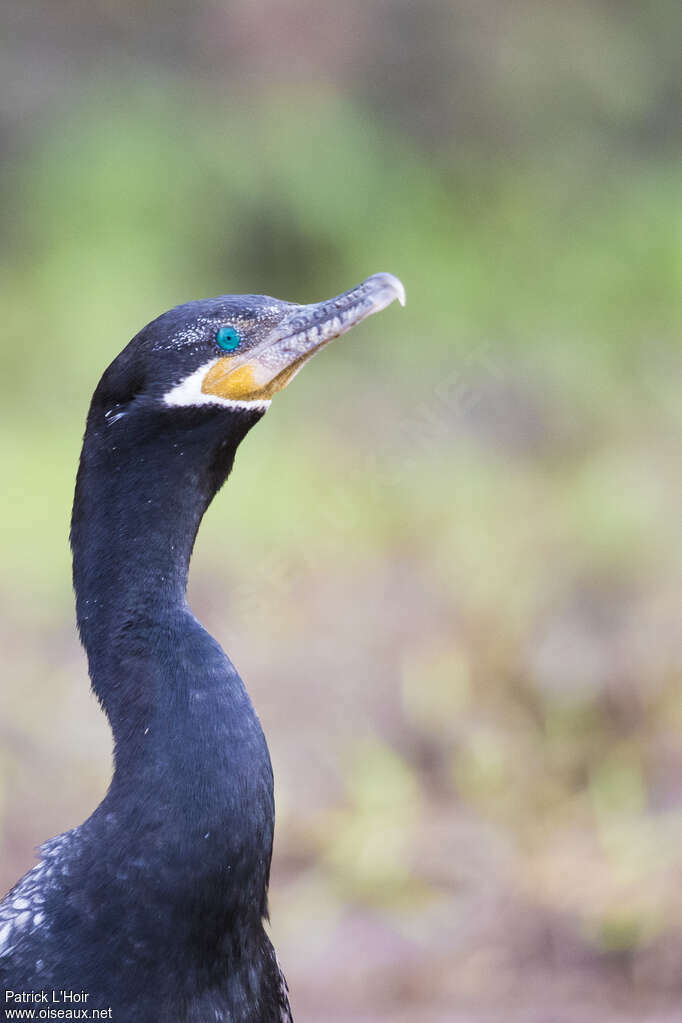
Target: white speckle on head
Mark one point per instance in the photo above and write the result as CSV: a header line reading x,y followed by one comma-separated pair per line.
x,y
188,393
190,338
21,904
38,919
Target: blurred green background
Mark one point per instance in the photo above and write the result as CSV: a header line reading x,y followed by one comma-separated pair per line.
x,y
448,563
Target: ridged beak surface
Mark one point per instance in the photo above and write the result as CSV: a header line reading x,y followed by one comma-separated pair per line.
x,y
261,372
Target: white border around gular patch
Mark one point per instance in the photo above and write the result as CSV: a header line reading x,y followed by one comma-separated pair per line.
x,y
189,393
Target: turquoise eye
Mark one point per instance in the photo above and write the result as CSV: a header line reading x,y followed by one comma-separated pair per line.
x,y
228,339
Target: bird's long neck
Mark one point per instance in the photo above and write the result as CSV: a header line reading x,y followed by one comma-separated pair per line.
x,y
139,501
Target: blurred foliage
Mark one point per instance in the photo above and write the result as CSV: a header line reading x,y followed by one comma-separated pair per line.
x,y
448,563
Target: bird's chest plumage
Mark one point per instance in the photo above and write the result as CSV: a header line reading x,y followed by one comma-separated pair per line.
x,y
163,890
151,941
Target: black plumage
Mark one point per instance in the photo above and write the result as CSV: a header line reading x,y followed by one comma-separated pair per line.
x,y
154,906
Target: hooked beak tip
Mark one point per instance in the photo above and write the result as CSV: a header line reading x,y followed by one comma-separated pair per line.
x,y
391,283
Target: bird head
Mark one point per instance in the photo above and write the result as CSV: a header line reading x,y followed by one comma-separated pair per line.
x,y
233,352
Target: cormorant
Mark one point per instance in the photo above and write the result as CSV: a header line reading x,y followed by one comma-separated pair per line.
x,y
153,908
